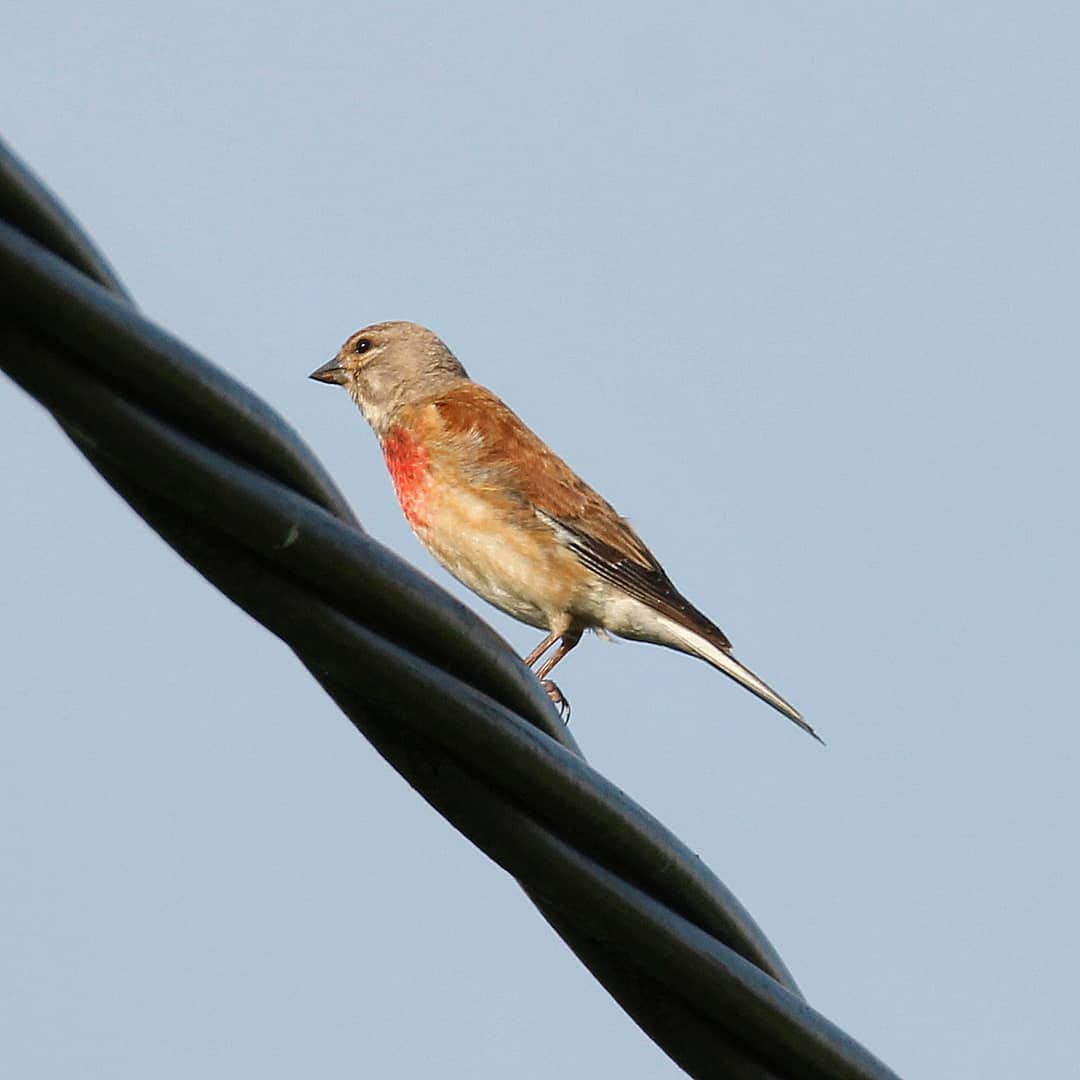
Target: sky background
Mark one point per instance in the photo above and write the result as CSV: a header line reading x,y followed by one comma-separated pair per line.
x,y
797,291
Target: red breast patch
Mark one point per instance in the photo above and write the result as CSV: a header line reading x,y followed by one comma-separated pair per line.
x,y
409,464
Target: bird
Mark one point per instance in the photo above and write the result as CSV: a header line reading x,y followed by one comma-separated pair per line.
x,y
509,518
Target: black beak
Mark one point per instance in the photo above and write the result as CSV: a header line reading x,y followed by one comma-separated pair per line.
x,y
330,372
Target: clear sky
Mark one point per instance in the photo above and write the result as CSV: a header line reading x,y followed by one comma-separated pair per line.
x,y
797,291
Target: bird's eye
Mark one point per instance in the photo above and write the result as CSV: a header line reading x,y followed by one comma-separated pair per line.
x,y
363,345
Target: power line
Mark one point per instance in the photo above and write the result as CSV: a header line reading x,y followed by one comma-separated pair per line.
x,y
225,480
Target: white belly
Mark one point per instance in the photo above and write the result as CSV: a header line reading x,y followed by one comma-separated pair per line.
x,y
516,569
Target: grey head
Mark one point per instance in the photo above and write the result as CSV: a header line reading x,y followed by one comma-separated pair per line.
x,y
389,365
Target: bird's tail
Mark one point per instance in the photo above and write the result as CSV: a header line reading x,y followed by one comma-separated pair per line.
x,y
693,642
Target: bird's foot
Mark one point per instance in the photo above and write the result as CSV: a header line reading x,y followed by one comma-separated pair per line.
x,y
558,699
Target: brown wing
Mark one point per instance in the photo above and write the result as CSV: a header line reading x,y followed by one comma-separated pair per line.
x,y
504,453
649,584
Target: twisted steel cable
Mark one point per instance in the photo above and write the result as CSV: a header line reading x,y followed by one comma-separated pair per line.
x,y
224,480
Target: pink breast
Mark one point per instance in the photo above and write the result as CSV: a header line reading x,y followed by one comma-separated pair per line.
x,y
410,469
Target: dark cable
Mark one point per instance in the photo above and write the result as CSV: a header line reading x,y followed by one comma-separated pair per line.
x,y
224,480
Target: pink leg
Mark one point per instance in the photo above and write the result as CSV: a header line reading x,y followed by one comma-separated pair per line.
x,y
569,640
542,648
565,645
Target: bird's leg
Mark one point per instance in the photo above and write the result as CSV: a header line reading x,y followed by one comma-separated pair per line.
x,y
569,640
542,648
553,691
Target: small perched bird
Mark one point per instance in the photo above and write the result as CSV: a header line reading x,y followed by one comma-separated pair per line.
x,y
507,517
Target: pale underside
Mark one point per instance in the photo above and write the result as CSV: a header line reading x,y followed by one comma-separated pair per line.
x,y
506,567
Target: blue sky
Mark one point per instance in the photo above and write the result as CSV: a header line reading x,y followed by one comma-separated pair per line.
x,y
796,290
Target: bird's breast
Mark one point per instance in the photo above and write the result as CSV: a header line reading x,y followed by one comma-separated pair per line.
x,y
410,469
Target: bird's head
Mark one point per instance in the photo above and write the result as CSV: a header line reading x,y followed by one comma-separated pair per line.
x,y
389,365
